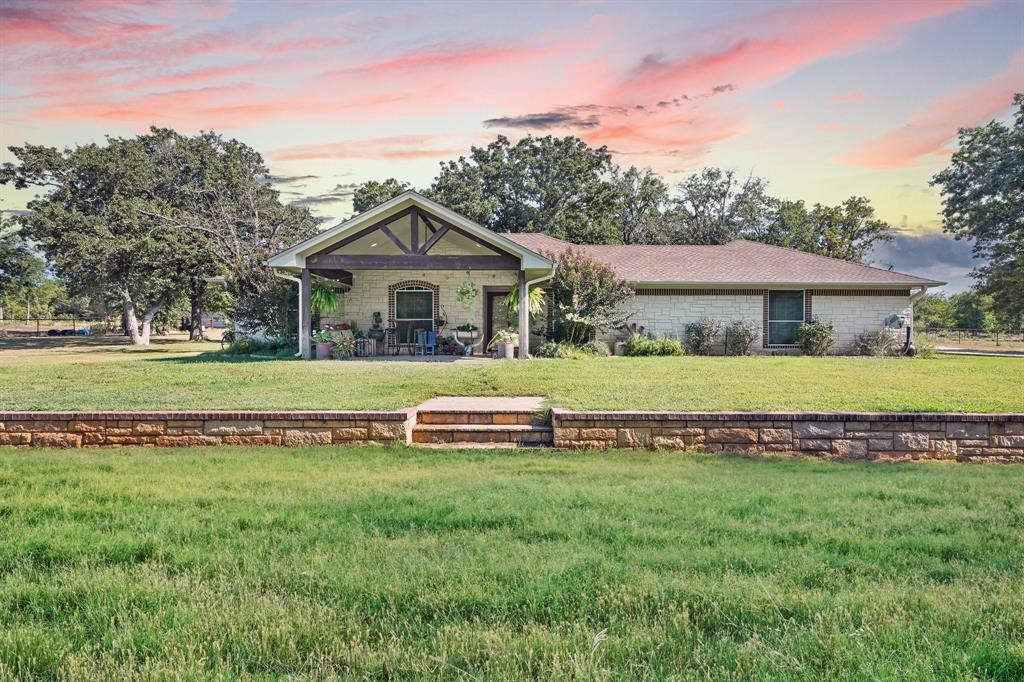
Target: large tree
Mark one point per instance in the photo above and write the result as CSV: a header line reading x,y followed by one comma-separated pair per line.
x,y
559,186
983,200
211,196
848,231
373,193
87,223
641,202
714,206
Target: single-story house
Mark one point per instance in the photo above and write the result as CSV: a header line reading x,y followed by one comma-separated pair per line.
x,y
406,257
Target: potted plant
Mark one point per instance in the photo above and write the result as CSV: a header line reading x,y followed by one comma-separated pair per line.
x,y
344,347
324,340
506,341
467,333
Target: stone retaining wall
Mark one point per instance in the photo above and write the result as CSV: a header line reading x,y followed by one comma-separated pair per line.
x,y
964,437
169,429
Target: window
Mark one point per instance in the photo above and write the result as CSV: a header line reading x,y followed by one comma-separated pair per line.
x,y
414,309
785,315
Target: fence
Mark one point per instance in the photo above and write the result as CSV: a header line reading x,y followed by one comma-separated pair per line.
x,y
55,326
975,337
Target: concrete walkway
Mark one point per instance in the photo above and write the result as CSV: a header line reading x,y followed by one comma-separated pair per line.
x,y
984,352
479,404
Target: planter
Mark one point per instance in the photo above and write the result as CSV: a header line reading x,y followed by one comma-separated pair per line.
x,y
506,351
323,350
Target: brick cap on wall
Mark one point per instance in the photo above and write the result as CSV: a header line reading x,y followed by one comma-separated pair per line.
x,y
195,415
561,413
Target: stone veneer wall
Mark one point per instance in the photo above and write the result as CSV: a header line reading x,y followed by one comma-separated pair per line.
x,y
668,315
964,437
369,293
855,315
169,429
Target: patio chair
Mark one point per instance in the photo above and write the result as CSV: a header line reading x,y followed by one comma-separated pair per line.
x,y
426,342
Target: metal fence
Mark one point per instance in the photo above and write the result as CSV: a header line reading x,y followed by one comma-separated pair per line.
x,y
967,337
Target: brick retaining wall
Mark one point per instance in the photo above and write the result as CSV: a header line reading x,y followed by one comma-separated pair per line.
x,y
169,429
855,435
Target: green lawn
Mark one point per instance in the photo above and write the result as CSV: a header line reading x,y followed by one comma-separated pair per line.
x,y
405,564
98,375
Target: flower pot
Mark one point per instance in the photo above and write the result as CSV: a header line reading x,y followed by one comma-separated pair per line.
x,y
323,350
506,350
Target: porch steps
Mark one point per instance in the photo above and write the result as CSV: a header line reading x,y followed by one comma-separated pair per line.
x,y
482,422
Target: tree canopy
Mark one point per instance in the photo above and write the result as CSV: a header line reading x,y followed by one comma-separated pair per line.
x,y
983,200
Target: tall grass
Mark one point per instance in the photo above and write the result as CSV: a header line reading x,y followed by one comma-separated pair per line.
x,y
408,564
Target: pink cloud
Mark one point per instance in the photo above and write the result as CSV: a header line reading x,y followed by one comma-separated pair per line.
x,y
935,124
831,127
779,105
396,147
854,96
775,44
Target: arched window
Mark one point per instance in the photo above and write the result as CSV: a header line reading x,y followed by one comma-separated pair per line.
x,y
413,306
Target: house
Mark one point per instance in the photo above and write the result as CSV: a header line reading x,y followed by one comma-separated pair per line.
x,y
406,257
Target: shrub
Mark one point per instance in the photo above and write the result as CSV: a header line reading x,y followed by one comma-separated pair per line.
x,y
701,335
245,345
99,329
570,351
589,296
596,348
740,337
925,348
641,345
816,337
880,344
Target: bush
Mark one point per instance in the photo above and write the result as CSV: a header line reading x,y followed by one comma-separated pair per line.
x,y
570,351
925,348
701,335
640,345
99,329
740,337
880,344
816,337
589,297
245,345
596,348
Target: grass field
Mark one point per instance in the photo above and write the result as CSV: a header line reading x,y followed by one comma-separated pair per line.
x,y
102,374
412,564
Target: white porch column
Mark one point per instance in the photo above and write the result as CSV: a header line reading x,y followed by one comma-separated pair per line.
x,y
305,316
524,317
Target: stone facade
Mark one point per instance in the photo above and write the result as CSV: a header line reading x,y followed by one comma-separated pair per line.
x,y
668,315
876,436
666,312
169,429
855,315
369,293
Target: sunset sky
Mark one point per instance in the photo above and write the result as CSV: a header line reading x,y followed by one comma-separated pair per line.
x,y
823,99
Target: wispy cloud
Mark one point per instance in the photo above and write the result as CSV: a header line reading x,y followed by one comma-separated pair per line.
x,y
936,124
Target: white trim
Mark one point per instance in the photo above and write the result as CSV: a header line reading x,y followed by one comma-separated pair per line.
x,y
295,256
749,284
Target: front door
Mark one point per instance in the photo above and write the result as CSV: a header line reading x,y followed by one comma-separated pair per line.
x,y
497,315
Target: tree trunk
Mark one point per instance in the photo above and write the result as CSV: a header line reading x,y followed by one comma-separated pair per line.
x,y
147,320
131,323
196,291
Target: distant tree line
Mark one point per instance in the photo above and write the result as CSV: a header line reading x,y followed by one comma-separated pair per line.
x,y
567,189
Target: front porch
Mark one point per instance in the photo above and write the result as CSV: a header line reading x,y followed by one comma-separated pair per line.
x,y
396,270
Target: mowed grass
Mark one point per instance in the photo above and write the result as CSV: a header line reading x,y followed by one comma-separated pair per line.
x,y
412,564
103,375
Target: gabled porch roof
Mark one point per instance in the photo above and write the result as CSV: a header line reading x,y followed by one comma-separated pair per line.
x,y
320,251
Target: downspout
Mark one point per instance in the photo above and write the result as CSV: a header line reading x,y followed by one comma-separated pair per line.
x,y
299,282
909,348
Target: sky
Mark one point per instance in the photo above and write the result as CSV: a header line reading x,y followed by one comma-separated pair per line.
x,y
825,100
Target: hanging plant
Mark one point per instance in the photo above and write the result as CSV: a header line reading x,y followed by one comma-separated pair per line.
x,y
323,298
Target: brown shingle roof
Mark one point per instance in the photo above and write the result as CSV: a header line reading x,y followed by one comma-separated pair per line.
x,y
738,262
